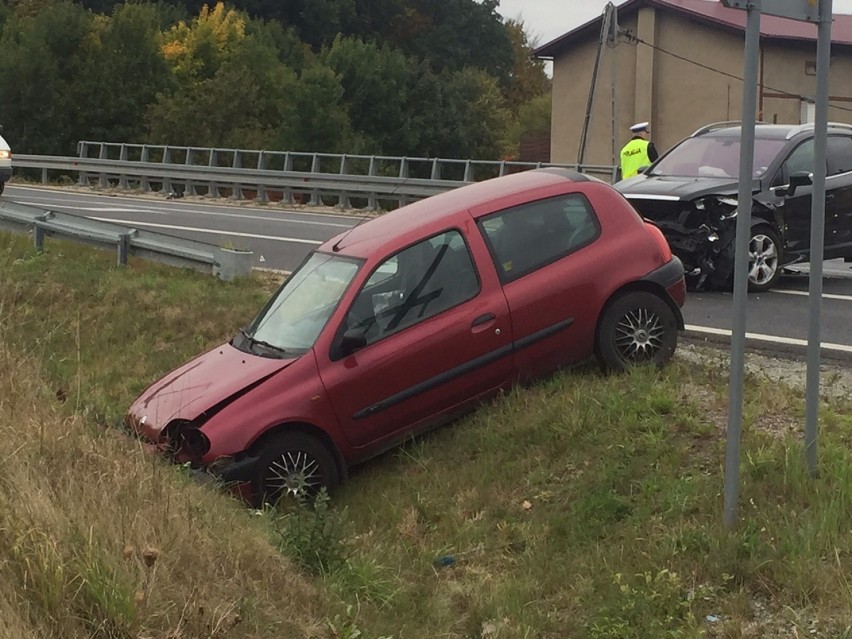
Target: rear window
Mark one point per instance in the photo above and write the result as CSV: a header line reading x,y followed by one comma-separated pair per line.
x,y
529,236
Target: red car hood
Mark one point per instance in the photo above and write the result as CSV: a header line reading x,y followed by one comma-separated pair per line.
x,y
199,385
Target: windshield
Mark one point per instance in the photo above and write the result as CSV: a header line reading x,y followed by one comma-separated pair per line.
x,y
297,313
715,156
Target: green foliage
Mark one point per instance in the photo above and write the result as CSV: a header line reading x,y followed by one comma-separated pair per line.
x,y
312,534
392,77
646,605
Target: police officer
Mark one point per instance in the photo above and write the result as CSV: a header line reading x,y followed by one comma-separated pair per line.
x,y
638,152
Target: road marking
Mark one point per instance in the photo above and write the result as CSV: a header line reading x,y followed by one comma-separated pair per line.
x,y
828,296
173,227
141,209
774,339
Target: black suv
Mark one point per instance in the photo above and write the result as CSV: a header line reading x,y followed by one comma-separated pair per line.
x,y
691,194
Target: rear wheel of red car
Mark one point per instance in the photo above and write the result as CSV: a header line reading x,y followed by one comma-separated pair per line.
x,y
294,465
764,259
636,328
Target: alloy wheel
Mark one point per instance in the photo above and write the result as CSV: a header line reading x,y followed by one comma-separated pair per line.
x,y
762,259
639,335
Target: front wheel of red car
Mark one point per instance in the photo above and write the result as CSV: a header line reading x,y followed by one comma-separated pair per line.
x,y
636,328
293,465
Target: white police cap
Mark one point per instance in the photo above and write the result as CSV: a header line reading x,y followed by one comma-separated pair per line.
x,y
640,126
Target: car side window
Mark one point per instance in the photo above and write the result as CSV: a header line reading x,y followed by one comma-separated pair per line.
x,y
801,159
413,285
839,154
527,237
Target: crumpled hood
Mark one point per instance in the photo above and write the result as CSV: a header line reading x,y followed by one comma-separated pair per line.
x,y
683,188
199,385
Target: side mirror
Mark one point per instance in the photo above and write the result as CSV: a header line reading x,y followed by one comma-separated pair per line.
x,y
797,179
351,341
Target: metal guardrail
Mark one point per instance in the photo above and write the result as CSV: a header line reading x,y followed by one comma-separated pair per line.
x,y
311,178
223,262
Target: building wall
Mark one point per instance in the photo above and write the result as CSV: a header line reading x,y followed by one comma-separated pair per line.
x,y
682,75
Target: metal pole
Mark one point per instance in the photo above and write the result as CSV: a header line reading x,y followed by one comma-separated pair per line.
x,y
737,373
817,236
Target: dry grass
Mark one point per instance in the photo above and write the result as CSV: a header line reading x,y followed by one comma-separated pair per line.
x,y
98,539
583,506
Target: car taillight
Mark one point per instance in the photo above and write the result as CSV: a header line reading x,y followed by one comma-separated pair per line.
x,y
657,234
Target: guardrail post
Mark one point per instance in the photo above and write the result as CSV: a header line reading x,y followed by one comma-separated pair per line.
x,y
343,198
468,171
188,187
287,194
122,157
124,246
102,178
237,189
261,189
373,199
39,231
212,187
315,168
82,149
144,156
436,169
403,173
502,168
167,159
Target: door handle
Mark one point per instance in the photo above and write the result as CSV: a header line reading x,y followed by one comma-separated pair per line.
x,y
483,319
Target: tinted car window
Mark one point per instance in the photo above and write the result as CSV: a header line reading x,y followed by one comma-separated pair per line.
x,y
413,285
527,237
801,159
839,154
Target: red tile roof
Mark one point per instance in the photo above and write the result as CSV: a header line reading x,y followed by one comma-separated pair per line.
x,y
712,12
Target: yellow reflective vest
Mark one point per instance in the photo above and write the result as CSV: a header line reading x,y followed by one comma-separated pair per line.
x,y
634,155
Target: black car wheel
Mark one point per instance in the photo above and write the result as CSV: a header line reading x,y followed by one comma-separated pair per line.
x,y
293,465
764,259
636,328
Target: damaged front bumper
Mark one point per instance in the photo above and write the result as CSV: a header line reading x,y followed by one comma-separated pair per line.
x,y
703,238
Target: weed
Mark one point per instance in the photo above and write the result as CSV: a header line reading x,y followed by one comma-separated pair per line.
x,y
313,535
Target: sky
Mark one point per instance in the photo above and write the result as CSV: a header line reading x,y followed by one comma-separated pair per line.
x,y
546,20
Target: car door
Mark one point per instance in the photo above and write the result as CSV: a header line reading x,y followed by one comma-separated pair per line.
x,y
544,255
797,207
437,336
838,197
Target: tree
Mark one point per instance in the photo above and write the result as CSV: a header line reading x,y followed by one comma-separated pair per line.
x,y
528,79
475,115
376,83
41,61
455,34
121,72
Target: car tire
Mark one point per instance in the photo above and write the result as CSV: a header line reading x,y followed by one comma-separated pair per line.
x,y
293,465
634,329
764,259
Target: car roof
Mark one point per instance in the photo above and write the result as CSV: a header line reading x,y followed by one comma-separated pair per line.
x,y
430,215
768,131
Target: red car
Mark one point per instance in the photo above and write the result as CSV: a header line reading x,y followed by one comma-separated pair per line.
x,y
407,320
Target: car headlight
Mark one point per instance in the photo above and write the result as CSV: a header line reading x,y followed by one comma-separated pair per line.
x,y
5,155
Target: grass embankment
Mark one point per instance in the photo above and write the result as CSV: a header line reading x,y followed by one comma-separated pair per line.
x,y
583,506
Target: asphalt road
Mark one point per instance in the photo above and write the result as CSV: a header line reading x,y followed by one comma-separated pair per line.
x,y
280,238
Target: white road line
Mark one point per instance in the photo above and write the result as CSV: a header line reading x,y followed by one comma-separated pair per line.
x,y
108,209
295,240
774,339
828,296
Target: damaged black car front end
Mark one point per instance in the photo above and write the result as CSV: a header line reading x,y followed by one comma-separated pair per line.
x,y
692,191
701,232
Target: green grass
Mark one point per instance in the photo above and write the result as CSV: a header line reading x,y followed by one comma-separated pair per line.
x,y
581,506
